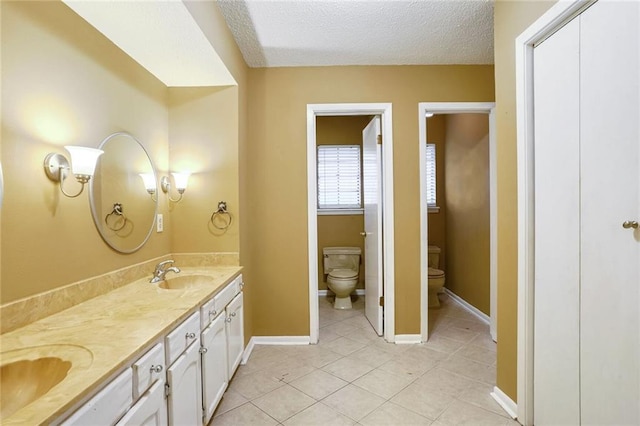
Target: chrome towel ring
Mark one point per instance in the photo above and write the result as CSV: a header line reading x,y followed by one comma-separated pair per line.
x,y
221,216
116,220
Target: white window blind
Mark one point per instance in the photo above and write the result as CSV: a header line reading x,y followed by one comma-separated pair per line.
x,y
431,174
339,177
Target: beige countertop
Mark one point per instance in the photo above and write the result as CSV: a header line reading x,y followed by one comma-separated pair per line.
x,y
101,336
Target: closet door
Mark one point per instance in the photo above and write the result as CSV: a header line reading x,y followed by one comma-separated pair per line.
x,y
557,227
610,254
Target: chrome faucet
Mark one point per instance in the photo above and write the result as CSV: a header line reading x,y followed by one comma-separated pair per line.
x,y
161,271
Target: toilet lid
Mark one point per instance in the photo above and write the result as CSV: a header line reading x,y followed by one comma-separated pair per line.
x,y
343,273
435,273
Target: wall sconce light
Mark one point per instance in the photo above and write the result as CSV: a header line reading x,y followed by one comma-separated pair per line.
x,y
83,165
149,180
180,179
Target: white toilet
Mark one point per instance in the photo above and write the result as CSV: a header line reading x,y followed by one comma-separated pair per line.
x,y
342,266
436,276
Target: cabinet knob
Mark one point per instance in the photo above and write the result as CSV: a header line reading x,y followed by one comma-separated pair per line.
x,y
156,369
213,313
228,319
627,224
233,314
203,350
241,286
191,335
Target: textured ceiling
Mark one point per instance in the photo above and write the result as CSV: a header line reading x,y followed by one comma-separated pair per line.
x,y
277,33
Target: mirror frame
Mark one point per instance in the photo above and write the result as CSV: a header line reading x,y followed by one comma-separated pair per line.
x,y
97,219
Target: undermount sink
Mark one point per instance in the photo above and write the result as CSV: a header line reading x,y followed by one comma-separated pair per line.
x,y
181,282
22,382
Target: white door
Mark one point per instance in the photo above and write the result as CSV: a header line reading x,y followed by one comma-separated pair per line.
x,y
372,184
150,410
214,365
185,391
587,185
235,333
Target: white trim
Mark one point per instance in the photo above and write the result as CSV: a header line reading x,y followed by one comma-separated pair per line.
x,y
408,339
459,108
272,340
469,307
505,402
247,351
385,111
358,291
558,15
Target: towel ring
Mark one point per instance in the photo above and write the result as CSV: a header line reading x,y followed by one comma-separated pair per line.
x,y
221,213
121,219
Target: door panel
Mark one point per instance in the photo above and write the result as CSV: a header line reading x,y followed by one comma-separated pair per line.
x,y
372,184
610,140
185,398
214,365
557,209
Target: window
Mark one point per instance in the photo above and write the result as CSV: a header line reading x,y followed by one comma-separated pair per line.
x,y
339,177
431,175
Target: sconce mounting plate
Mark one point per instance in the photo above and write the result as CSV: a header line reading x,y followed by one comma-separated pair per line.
x,y
54,165
165,184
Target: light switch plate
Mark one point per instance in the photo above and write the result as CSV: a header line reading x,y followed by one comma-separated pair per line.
x,y
159,223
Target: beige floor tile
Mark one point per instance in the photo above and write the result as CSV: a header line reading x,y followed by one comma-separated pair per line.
x,y
392,348
255,384
424,353
439,343
318,384
342,328
290,369
471,369
319,415
347,369
283,402
326,335
372,356
408,367
359,321
230,400
363,336
344,346
479,394
318,356
382,383
458,334
353,402
478,354
471,325
442,381
461,413
247,414
390,414
430,405
484,341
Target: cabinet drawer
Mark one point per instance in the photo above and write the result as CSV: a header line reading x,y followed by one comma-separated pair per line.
x,y
227,294
148,369
107,406
208,313
182,337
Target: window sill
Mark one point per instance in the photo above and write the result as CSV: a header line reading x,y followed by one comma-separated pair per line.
x,y
433,209
339,212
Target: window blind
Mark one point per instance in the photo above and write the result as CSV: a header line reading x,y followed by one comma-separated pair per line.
x,y
431,174
339,177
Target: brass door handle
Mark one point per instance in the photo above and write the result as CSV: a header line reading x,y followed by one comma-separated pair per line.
x,y
630,224
364,234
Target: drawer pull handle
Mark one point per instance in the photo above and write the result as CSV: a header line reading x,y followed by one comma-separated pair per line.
x,y
241,286
156,369
191,335
228,319
233,314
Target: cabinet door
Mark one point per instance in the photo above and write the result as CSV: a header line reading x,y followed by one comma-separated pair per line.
x,y
150,410
214,365
185,391
235,333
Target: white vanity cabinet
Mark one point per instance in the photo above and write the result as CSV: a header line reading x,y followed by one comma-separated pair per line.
x,y
235,333
214,365
184,373
150,410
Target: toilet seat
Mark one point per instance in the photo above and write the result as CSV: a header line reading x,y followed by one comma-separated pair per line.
x,y
343,274
435,273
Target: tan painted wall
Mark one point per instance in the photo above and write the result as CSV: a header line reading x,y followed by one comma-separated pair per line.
x,y
510,19
277,185
64,83
340,230
467,188
436,133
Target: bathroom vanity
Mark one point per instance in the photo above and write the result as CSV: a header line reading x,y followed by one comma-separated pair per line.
x,y
141,354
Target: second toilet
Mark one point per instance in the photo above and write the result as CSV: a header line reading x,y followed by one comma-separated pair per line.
x,y
342,266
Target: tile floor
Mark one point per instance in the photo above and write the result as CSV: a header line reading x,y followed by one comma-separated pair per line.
x,y
353,377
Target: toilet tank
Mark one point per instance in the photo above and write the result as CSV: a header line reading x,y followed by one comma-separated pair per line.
x,y
341,258
433,259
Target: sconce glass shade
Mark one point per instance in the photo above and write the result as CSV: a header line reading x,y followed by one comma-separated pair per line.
x,y
149,180
181,180
83,160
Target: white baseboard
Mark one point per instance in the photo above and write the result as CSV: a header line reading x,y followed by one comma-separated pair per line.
x,y
407,339
472,309
273,340
359,292
505,402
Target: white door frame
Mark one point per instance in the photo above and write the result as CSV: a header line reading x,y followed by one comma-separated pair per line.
x,y
556,17
385,112
458,108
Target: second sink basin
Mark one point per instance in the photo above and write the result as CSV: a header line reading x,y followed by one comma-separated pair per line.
x,y
181,282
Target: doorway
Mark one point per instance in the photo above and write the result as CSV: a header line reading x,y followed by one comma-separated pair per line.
x,y
384,111
457,108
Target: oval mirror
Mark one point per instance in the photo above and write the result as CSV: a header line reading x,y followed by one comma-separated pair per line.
x,y
123,203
